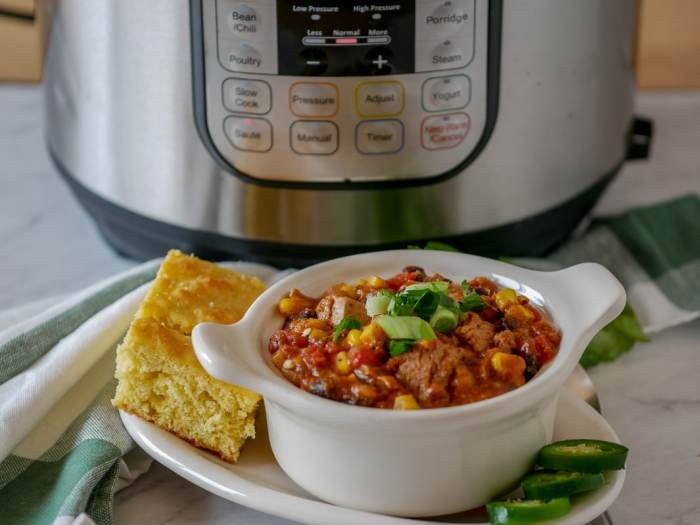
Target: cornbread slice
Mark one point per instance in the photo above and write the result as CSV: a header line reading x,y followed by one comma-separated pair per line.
x,y
160,378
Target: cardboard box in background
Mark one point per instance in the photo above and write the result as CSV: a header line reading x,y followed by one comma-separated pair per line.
x,y
20,7
668,47
24,28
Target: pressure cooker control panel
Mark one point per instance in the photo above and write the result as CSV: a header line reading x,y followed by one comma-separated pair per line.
x,y
344,91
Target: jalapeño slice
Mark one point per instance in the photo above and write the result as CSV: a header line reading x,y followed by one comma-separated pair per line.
x,y
583,455
523,512
548,484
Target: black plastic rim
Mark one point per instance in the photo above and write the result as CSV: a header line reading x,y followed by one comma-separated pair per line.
x,y
141,237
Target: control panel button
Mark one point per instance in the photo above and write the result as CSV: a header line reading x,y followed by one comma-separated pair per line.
x,y
449,18
248,133
443,93
314,137
379,137
242,20
378,61
313,99
448,55
444,131
379,98
241,57
314,60
247,96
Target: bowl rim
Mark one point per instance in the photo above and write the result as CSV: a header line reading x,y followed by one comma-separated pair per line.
x,y
545,384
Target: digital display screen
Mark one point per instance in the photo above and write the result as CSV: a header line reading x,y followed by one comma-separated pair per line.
x,y
338,38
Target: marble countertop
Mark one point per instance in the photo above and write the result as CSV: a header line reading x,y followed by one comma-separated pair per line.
x,y
651,396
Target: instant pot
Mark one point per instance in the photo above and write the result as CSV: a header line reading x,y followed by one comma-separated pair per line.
x,y
292,131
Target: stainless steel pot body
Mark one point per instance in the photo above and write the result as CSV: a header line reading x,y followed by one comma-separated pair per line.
x,y
120,123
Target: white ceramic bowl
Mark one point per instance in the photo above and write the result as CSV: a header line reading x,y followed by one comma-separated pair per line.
x,y
422,462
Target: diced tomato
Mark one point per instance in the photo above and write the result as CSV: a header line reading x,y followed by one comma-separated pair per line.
x,y
332,348
545,349
275,341
535,311
362,355
315,356
483,285
538,347
490,314
401,279
287,341
547,330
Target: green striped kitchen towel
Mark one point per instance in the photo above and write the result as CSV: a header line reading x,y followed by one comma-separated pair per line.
x,y
64,452
63,449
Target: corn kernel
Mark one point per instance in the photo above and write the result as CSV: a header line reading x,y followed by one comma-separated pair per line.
x,y
504,298
278,358
507,364
317,334
370,333
376,282
361,282
353,337
519,312
347,290
292,305
341,362
316,323
405,402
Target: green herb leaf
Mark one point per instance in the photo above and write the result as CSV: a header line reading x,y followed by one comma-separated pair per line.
x,y
348,323
423,302
442,246
615,339
472,301
397,347
434,245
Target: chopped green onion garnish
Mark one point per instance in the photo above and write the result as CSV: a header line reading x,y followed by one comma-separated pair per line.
x,y
433,286
377,304
405,327
444,320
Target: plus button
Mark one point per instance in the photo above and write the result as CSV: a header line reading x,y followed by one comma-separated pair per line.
x,y
380,61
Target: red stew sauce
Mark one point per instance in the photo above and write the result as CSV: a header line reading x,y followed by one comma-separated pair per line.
x,y
489,341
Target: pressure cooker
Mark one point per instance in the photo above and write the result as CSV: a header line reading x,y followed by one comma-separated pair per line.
x,y
290,131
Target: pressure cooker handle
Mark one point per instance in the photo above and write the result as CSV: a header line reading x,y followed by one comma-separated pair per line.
x,y
640,138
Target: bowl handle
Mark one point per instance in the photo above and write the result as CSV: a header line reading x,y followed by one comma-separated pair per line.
x,y
596,293
229,353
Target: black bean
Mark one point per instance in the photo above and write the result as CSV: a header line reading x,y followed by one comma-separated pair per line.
x,y
531,366
306,313
321,387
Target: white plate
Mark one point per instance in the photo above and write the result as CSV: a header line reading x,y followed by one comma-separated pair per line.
x,y
258,482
